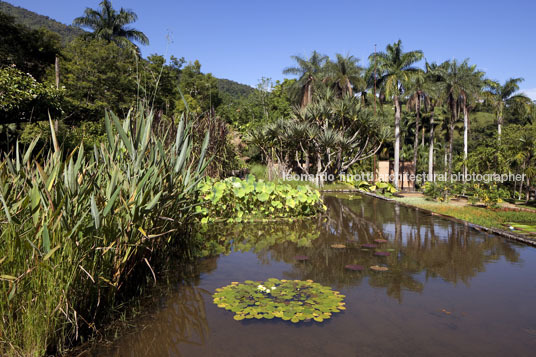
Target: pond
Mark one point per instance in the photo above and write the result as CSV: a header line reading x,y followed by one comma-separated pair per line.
x,y
449,290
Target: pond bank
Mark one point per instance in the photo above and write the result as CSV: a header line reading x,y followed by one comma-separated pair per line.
x,y
458,214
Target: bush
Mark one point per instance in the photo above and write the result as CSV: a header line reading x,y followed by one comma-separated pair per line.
x,y
488,194
236,200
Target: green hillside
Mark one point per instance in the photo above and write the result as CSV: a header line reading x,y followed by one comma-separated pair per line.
x,y
234,89
35,21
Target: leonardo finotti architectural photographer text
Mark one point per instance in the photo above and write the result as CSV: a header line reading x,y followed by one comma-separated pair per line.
x,y
442,177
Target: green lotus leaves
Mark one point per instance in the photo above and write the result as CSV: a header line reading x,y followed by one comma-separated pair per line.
x,y
236,200
289,300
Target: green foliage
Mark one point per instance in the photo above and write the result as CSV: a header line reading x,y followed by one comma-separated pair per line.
x,y
236,200
234,89
488,194
98,75
31,51
111,25
25,99
200,90
442,190
293,300
78,230
382,188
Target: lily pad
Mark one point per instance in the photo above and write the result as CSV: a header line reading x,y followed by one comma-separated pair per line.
x,y
338,246
354,267
381,241
290,300
378,268
368,245
382,254
301,258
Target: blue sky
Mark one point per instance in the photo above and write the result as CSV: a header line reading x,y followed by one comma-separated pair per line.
x,y
249,39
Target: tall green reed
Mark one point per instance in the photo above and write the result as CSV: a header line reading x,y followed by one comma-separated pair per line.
x,y
76,228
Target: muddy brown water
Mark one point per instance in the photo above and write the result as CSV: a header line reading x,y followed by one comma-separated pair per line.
x,y
449,291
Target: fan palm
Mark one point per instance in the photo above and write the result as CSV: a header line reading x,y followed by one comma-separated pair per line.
x,y
395,68
109,25
309,72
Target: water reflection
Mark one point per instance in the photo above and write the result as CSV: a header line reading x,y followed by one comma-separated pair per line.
x,y
419,245
420,306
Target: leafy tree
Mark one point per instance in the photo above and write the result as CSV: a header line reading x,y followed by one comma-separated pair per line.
x,y
24,99
112,26
200,90
309,72
395,68
98,75
32,51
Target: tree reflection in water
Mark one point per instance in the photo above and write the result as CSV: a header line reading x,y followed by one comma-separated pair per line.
x,y
422,246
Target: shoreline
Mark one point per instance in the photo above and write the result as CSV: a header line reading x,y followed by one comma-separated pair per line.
x,y
478,227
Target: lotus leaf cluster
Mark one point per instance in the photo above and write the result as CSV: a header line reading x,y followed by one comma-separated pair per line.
x,y
290,300
237,200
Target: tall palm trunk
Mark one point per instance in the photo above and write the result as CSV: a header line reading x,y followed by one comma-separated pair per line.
x,y
416,138
465,135
397,140
499,125
453,119
431,151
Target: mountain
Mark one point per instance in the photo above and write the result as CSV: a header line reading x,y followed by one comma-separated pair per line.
x,y
35,21
234,89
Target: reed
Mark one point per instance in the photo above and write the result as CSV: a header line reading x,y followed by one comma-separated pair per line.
x,y
76,227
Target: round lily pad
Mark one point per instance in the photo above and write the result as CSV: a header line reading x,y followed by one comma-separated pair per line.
x,y
338,246
354,267
378,268
368,245
380,241
294,300
301,258
382,254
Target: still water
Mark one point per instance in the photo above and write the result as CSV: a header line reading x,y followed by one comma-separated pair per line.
x,y
450,290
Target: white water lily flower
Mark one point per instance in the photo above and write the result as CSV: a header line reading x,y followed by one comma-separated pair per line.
x,y
268,291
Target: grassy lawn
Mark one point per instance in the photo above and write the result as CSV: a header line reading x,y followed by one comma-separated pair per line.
x,y
479,215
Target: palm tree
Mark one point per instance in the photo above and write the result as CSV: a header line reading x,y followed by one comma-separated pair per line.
x,y
395,68
346,75
109,25
470,89
433,95
309,72
501,96
458,81
416,89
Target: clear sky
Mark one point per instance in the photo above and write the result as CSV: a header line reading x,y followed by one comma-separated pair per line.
x,y
249,39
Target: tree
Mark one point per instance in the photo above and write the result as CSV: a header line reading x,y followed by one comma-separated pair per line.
x,y
309,72
501,96
24,99
32,51
109,25
98,75
395,68
200,90
346,75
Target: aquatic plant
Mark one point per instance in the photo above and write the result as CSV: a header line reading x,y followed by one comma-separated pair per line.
x,y
294,300
237,200
76,231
